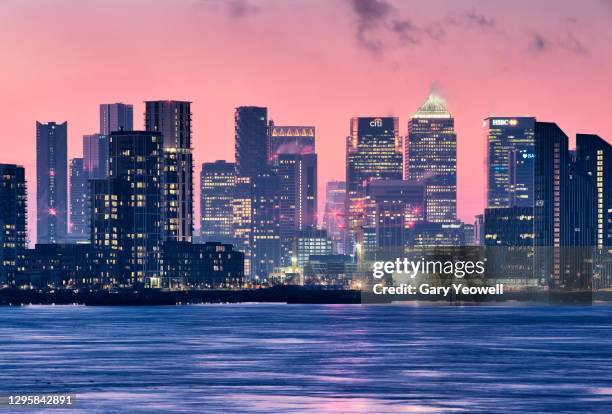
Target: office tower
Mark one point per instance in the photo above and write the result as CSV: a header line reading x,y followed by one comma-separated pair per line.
x,y
217,183
399,205
51,182
431,158
510,161
479,230
13,221
469,235
126,228
242,219
116,117
426,234
251,133
373,152
594,156
290,140
79,200
311,242
508,226
173,120
265,225
297,198
95,155
333,218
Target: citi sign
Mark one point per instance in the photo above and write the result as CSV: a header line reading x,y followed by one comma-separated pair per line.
x,y
376,122
504,122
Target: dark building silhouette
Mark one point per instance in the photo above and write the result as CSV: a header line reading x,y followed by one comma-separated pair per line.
x,y
13,221
126,227
173,120
251,145
60,266
116,117
265,242
79,200
431,158
217,184
203,266
95,155
51,182
297,198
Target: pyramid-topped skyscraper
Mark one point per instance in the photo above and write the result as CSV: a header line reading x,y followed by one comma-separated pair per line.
x,y
431,158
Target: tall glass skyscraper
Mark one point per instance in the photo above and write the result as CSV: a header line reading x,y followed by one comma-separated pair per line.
x,y
333,218
95,155
173,120
217,184
51,182
431,158
251,145
510,156
13,221
79,200
116,117
373,152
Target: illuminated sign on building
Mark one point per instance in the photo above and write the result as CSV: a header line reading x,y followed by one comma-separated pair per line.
x,y
504,122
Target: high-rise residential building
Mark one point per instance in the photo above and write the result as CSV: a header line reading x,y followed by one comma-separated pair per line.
x,y
173,120
290,140
116,117
398,206
126,228
217,184
265,225
242,219
333,218
297,198
251,145
95,155
373,152
510,155
594,155
565,216
13,221
51,182
79,200
431,158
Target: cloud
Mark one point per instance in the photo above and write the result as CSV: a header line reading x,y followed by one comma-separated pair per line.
x,y
379,23
539,43
235,9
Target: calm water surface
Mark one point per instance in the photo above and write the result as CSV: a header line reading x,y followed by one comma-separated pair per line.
x,y
307,358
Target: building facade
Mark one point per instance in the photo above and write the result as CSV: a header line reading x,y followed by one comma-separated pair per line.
x,y
13,221
79,200
431,158
217,184
333,217
290,140
51,182
116,117
251,145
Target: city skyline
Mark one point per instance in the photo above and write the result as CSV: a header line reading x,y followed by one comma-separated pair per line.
x,y
307,84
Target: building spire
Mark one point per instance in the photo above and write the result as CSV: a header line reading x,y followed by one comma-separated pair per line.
x,y
433,107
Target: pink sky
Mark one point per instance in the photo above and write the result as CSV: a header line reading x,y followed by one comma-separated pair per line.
x,y
310,62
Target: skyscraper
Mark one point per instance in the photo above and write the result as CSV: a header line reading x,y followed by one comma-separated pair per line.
x,y
431,158
173,120
95,155
297,198
51,182
594,155
217,184
116,117
126,229
333,217
373,152
265,225
242,219
251,145
13,221
79,200
290,140
510,153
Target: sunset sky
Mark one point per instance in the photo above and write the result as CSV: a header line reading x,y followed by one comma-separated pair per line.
x,y
310,62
